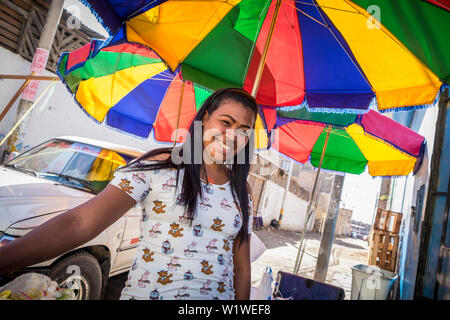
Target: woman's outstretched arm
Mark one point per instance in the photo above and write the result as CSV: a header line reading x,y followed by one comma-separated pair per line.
x,y
66,231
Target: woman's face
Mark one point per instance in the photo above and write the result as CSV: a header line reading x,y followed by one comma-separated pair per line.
x,y
226,131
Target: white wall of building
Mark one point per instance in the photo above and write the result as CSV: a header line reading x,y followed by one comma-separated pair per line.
x,y
294,208
60,116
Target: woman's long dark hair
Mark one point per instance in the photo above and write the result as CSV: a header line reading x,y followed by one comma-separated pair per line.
x,y
191,187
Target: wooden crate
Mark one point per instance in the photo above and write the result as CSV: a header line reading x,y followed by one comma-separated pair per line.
x,y
387,220
384,250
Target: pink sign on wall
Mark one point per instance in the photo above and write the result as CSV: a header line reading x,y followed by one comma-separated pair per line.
x,y
38,65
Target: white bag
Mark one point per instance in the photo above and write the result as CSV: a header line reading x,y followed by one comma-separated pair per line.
x,y
264,291
257,247
34,286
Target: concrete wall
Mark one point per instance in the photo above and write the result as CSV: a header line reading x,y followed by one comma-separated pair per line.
x,y
404,196
60,116
343,222
294,208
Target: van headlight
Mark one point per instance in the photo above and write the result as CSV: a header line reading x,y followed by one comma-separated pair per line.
x,y
5,239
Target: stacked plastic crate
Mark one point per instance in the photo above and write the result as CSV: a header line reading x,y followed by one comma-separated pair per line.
x,y
384,239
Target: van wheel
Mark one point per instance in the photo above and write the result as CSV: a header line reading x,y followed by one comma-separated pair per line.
x,y
80,272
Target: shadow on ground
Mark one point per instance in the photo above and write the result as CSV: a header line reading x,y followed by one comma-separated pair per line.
x,y
114,286
274,238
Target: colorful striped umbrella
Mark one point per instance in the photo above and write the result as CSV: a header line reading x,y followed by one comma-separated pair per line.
x,y
323,54
128,86
347,142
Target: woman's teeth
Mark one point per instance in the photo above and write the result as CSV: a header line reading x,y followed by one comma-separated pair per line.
x,y
224,146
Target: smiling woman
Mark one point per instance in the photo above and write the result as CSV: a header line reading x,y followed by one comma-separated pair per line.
x,y
203,199
196,217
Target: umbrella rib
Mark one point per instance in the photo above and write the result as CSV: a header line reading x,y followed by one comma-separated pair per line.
x,y
348,55
307,15
140,9
445,6
332,8
250,56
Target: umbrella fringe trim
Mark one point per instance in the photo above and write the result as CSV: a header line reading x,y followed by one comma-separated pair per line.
x,y
127,133
97,16
337,109
420,106
372,105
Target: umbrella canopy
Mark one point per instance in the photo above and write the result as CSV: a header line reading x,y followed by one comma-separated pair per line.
x,y
355,142
128,86
324,54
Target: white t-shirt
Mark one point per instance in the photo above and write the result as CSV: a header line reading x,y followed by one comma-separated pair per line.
x,y
176,259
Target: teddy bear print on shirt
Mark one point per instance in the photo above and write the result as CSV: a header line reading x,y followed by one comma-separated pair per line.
x,y
147,256
226,245
217,225
206,267
175,230
221,287
164,277
159,207
125,186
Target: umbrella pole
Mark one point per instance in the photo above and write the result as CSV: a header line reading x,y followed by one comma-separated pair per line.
x,y
179,114
298,259
26,113
259,72
14,98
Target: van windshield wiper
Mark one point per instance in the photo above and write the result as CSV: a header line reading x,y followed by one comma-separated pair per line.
x,y
84,183
21,169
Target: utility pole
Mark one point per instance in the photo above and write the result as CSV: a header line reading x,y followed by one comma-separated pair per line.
x,y
38,66
326,242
